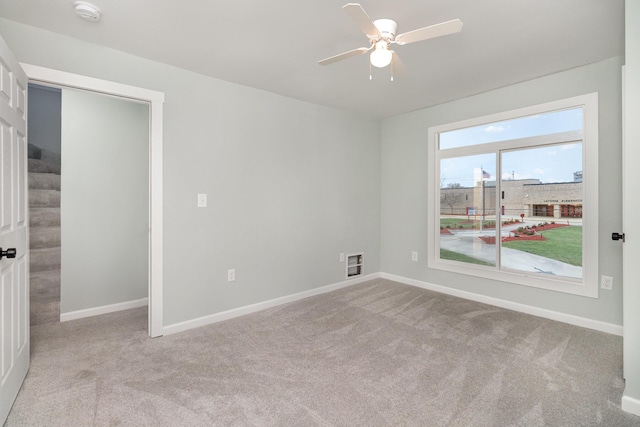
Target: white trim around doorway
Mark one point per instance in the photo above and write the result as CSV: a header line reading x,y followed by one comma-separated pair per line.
x,y
155,100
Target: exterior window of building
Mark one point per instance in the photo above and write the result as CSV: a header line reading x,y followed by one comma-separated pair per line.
x,y
514,196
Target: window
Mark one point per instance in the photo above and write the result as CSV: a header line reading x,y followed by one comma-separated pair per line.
x,y
514,196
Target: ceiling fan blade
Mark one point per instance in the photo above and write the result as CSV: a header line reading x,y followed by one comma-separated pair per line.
x,y
361,19
344,55
437,30
397,66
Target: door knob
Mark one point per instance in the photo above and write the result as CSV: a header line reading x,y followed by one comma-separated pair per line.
x,y
617,236
9,253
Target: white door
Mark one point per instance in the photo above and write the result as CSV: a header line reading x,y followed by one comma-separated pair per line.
x,y
14,279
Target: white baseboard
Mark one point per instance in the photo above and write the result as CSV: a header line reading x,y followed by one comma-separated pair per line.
x,y
241,311
510,305
631,405
95,311
597,325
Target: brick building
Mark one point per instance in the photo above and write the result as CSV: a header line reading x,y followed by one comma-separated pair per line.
x,y
521,196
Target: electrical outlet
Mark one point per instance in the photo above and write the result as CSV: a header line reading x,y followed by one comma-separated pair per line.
x,y
414,256
231,275
606,282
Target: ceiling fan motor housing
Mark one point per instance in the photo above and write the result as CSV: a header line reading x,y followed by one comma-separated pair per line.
x,y
387,28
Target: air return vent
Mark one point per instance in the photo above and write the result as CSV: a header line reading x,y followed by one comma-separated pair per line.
x,y
354,265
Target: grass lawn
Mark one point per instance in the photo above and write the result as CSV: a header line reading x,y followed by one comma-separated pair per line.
x,y
562,244
455,256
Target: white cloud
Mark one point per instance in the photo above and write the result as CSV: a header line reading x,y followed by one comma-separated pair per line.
x,y
495,129
538,171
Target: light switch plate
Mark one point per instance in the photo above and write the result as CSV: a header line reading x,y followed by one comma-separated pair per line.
x,y
202,200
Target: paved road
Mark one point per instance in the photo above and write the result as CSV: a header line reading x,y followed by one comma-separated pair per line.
x,y
468,243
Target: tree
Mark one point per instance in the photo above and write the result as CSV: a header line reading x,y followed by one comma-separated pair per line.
x,y
450,198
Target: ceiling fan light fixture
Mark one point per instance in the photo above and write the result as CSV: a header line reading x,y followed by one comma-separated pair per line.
x,y
381,55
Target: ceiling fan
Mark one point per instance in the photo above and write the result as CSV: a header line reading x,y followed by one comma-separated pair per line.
x,y
382,33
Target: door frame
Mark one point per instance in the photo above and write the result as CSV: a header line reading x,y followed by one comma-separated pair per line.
x,y
155,100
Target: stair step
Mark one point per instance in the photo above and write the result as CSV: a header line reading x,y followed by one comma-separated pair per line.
x,y
50,157
45,286
34,152
44,199
44,217
44,259
44,297
51,276
41,166
44,237
44,181
43,313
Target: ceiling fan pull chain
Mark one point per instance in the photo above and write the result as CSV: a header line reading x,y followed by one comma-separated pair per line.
x,y
370,75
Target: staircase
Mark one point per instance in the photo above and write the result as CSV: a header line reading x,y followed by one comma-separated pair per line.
x,y
44,238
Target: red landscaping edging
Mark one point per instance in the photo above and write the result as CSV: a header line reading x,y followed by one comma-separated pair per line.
x,y
491,240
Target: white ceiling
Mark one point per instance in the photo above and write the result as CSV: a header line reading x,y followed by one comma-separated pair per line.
x,y
275,45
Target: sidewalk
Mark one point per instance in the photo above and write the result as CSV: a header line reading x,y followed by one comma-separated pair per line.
x,y
468,243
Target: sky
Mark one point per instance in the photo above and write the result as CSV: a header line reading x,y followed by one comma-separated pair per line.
x,y
553,163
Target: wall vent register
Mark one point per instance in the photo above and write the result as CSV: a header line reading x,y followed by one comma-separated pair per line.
x,y
354,265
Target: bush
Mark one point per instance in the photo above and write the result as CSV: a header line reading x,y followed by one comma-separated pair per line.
x,y
520,229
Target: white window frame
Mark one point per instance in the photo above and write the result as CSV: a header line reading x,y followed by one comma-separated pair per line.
x,y
588,285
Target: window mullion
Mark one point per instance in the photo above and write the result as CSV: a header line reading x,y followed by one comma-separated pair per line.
x,y
498,210
554,138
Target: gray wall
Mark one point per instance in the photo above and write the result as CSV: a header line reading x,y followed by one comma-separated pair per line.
x,y
104,200
290,184
293,184
405,184
44,118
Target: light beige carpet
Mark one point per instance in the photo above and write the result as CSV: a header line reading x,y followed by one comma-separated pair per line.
x,y
375,354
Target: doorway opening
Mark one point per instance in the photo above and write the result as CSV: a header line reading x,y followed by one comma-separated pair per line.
x,y
44,168
154,102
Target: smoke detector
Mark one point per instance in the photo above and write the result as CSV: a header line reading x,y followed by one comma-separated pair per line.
x,y
87,11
